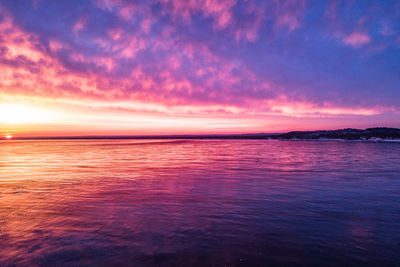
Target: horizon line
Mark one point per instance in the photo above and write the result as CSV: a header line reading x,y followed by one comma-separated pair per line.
x,y
260,135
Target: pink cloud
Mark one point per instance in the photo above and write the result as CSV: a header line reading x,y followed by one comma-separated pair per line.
x,y
356,39
289,13
249,30
80,24
331,10
219,10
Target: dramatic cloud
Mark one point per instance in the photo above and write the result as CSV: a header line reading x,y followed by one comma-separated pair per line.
x,y
245,65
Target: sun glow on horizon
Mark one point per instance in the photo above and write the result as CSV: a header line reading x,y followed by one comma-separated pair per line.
x,y
15,113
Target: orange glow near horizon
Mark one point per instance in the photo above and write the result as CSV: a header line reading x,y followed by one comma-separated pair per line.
x,y
28,116
20,114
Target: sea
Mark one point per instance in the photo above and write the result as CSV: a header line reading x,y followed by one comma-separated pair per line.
x,y
199,203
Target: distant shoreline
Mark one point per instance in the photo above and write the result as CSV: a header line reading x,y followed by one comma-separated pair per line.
x,y
378,134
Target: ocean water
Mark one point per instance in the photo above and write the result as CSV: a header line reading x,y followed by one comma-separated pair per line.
x,y
199,203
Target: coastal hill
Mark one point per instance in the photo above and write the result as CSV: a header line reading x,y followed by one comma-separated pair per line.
x,y
373,134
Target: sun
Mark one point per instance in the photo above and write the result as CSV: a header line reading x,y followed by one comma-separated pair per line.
x,y
9,136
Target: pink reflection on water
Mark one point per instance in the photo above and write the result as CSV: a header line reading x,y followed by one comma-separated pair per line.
x,y
215,201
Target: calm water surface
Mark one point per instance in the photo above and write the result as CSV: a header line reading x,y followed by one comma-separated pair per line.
x,y
199,203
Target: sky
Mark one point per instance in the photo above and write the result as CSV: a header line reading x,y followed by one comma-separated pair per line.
x,y
115,67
